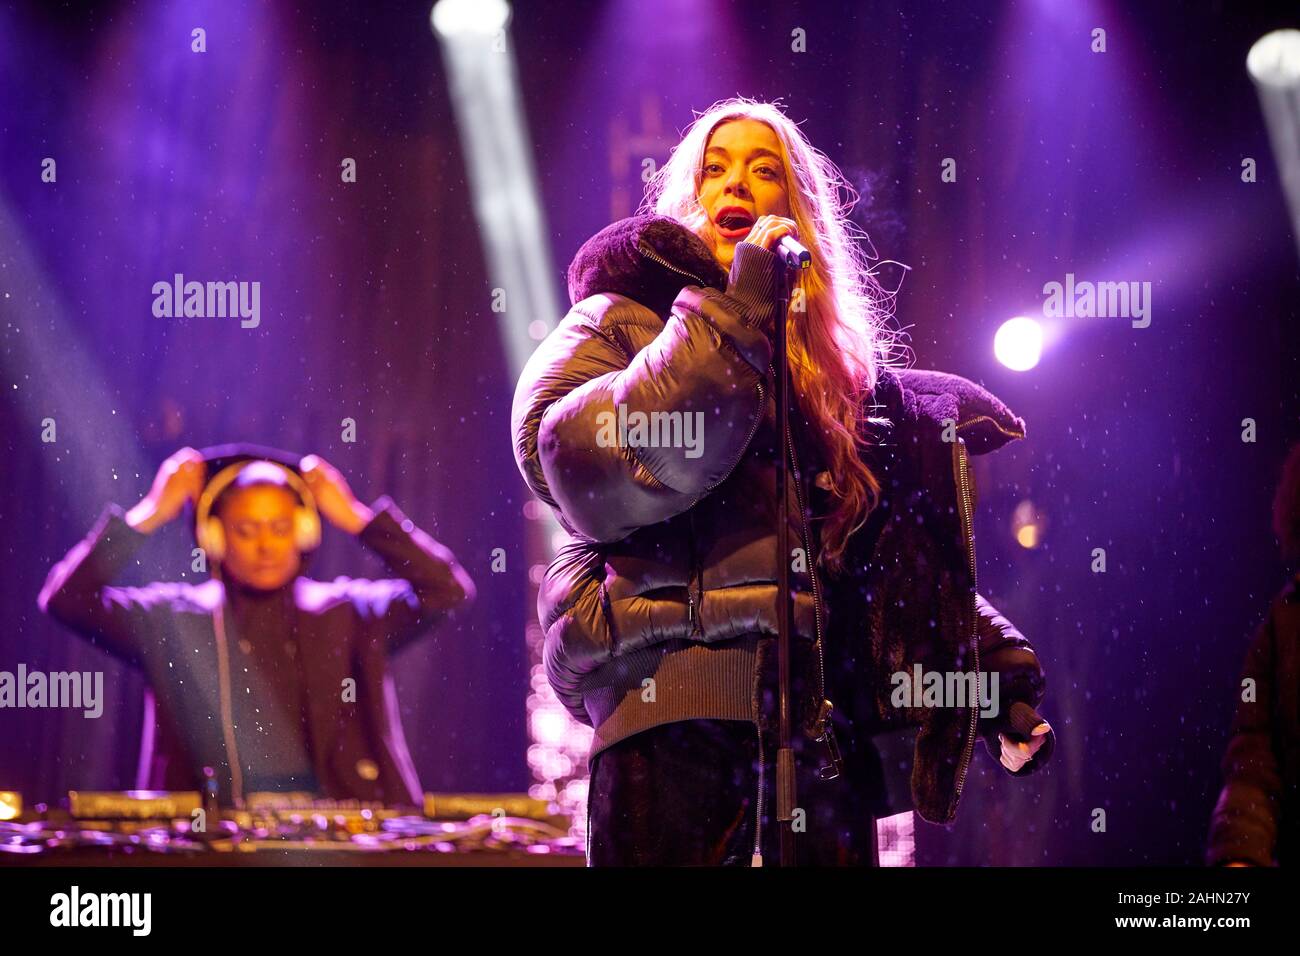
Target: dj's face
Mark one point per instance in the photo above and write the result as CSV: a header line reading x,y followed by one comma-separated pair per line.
x,y
260,548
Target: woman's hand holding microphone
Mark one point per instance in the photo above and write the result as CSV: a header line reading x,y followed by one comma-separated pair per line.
x,y
769,230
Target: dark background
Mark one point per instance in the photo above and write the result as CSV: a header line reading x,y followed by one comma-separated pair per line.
x,y
376,306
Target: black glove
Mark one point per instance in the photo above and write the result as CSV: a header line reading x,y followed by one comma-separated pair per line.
x,y
1018,727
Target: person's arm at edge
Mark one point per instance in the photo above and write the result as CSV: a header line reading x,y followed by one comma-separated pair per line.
x,y
1244,823
1004,650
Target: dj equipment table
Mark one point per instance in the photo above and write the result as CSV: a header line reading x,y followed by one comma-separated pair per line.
x,y
135,829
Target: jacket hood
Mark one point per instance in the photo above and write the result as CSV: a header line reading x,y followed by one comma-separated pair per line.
x,y
935,398
647,258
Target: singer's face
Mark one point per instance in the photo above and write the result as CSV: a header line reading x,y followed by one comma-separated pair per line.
x,y
743,178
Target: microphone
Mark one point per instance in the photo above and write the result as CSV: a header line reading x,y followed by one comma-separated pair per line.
x,y
792,254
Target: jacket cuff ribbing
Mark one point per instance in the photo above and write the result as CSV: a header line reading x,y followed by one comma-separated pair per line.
x,y
754,284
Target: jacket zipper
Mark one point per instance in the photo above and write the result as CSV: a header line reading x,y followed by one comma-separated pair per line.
x,y
694,584
823,730
757,859
651,254
996,424
964,498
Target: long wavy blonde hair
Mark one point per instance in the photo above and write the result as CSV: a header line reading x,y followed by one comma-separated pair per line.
x,y
841,339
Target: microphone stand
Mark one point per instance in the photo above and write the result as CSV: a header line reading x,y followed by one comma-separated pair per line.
x,y
791,261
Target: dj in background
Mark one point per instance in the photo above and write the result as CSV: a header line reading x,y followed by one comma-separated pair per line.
x,y
275,681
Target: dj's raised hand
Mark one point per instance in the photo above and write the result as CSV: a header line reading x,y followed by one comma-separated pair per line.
x,y
334,499
179,479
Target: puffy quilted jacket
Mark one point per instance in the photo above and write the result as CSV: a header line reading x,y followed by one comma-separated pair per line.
x,y
674,544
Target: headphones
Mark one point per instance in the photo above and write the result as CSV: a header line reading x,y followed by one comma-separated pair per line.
x,y
211,534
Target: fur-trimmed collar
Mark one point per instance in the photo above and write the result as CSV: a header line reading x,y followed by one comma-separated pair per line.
x,y
647,258
937,398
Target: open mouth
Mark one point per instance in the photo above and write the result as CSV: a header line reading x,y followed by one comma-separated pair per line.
x,y
733,222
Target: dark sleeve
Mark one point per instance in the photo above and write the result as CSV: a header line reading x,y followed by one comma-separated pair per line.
x,y
77,592
428,581
1005,651
711,357
1244,823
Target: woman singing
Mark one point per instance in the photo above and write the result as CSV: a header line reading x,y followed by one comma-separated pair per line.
x,y
646,421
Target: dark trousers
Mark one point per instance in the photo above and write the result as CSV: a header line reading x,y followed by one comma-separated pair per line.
x,y
686,793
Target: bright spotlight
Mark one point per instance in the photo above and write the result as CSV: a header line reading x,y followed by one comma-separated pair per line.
x,y
452,18
488,103
1275,58
1018,343
1274,66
